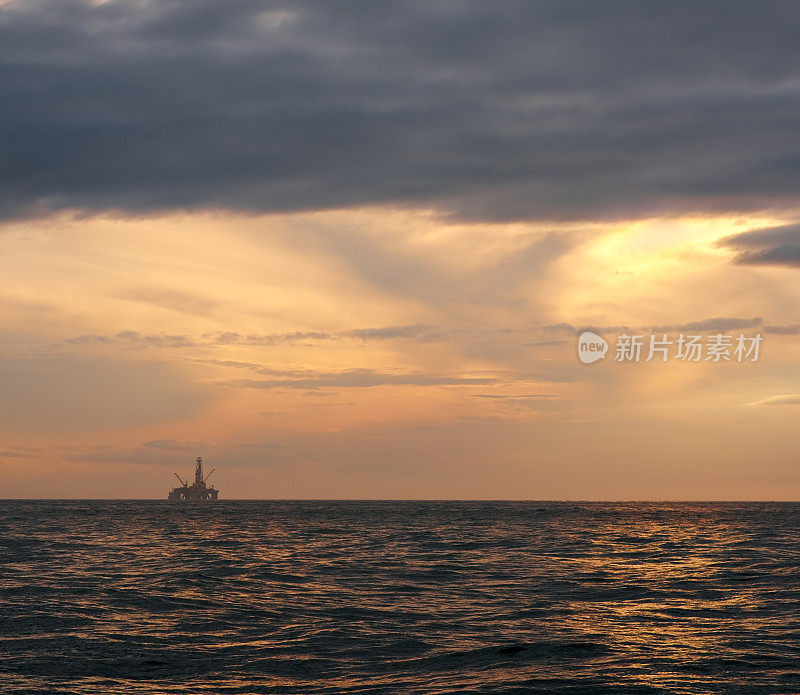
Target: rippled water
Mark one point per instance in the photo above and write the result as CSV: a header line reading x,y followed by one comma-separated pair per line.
x,y
399,597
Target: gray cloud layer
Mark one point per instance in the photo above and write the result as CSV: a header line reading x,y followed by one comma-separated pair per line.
x,y
420,332
356,378
497,110
720,323
793,329
772,246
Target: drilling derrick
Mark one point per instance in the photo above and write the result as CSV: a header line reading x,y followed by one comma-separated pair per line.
x,y
199,491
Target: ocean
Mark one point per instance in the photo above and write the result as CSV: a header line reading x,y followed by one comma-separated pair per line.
x,y
309,597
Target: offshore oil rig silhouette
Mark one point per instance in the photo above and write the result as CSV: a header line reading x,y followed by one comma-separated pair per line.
x,y
198,491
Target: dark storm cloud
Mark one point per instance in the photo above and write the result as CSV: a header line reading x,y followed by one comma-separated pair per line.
x,y
493,110
772,246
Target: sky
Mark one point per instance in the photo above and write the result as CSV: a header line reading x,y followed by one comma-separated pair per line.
x,y
346,249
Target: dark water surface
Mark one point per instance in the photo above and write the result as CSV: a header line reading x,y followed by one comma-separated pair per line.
x,y
399,597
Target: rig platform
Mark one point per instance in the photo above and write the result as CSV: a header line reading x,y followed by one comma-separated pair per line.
x,y
198,491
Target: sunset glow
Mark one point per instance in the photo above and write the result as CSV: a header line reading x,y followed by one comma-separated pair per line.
x,y
384,352
352,258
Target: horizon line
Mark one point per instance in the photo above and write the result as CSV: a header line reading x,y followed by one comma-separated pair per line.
x,y
389,499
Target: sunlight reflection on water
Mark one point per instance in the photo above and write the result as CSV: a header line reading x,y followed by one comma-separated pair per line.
x,y
407,597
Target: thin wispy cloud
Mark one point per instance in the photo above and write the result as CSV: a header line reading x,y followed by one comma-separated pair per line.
x,y
788,399
357,378
793,329
523,397
163,340
389,332
719,323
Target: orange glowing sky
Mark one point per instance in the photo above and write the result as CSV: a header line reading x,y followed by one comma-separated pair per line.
x,y
384,353
346,254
